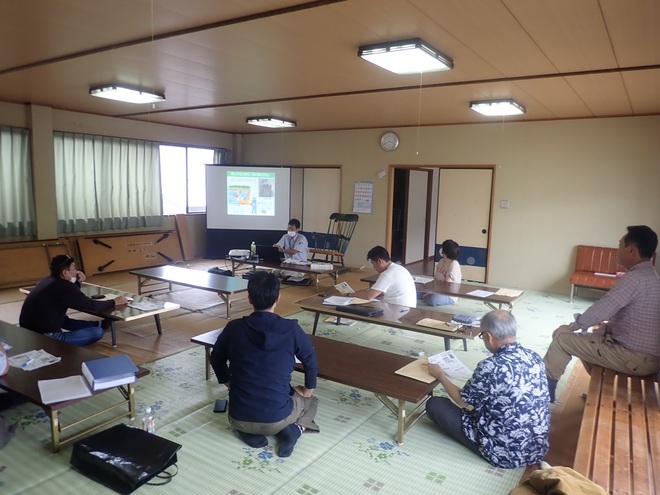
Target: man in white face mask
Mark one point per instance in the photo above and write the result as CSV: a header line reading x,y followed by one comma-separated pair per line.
x,y
294,246
45,307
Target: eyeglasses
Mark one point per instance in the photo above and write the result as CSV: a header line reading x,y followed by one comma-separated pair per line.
x,y
481,335
66,261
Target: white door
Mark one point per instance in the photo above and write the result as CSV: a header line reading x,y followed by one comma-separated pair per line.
x,y
464,202
416,216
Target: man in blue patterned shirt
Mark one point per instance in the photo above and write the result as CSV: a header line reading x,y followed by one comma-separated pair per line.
x,y
502,413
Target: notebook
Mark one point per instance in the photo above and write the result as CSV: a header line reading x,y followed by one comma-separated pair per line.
x,y
360,309
269,254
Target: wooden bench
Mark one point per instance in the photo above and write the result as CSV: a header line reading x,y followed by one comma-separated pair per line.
x,y
364,368
619,442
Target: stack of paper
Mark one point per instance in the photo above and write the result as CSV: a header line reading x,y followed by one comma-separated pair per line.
x,y
508,292
61,389
144,305
421,279
343,301
109,372
322,266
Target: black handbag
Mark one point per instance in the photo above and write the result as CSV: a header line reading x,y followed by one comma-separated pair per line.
x,y
124,458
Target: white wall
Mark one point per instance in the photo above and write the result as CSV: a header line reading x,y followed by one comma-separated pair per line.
x,y
568,183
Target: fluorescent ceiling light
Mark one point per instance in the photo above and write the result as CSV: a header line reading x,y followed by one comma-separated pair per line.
x,y
126,94
497,108
410,56
270,122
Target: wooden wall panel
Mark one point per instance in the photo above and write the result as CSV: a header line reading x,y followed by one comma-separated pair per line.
x,y
25,263
112,253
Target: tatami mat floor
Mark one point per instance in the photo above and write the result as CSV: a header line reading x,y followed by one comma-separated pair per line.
x,y
355,451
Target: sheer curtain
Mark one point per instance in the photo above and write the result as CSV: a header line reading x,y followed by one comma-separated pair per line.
x,y
221,156
106,183
17,216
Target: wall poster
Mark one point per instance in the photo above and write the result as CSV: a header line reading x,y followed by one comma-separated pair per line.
x,y
363,196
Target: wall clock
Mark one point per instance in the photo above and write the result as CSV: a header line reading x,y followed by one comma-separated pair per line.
x,y
389,141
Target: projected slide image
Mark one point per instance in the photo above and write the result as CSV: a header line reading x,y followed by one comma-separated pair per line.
x,y
251,193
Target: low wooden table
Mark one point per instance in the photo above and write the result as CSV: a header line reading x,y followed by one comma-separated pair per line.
x,y
25,383
364,368
462,290
236,264
123,313
395,316
222,285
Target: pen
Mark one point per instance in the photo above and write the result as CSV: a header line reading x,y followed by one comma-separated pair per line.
x,y
27,363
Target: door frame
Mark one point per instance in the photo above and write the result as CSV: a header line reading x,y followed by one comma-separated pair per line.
x,y
390,196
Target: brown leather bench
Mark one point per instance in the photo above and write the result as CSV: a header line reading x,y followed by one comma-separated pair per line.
x,y
619,444
590,261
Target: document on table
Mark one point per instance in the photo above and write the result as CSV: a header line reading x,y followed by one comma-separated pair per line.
x,y
480,293
417,370
344,288
33,360
438,324
113,296
291,261
61,389
452,366
344,301
144,305
420,279
508,292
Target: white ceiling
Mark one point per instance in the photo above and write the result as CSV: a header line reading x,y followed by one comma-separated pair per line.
x,y
221,61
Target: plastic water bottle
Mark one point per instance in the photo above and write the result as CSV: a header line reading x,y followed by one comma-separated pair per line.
x,y
148,423
253,249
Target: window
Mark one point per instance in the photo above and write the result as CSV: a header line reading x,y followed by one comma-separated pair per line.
x,y
181,165
106,183
17,217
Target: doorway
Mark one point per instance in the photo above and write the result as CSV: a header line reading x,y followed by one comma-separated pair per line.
x,y
410,227
459,199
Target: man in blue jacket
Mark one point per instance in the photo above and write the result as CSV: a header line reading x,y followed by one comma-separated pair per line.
x,y
254,357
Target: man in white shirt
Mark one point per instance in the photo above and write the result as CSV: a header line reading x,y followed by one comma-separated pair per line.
x,y
394,282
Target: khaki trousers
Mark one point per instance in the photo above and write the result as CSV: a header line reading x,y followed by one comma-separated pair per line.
x,y
598,350
303,413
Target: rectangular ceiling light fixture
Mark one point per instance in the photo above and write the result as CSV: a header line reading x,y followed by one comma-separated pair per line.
x,y
126,94
497,108
270,122
410,56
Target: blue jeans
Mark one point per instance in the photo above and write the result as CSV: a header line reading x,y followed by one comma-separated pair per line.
x,y
447,416
433,299
80,332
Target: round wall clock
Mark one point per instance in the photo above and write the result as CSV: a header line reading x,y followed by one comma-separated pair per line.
x,y
389,141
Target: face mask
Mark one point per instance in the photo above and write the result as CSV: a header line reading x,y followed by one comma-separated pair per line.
x,y
291,233
73,280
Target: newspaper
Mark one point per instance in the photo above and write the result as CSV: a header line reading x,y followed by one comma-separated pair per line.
x,y
33,360
451,365
344,288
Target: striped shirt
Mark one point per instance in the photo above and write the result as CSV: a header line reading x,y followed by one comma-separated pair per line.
x,y
632,310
